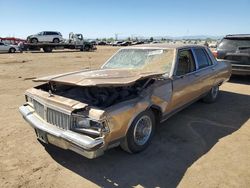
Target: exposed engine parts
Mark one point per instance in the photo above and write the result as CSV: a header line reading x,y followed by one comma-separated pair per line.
x,y
101,97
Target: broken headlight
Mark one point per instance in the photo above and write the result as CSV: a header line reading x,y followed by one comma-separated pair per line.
x,y
87,125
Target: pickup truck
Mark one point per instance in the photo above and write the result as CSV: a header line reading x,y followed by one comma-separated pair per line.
x,y
120,104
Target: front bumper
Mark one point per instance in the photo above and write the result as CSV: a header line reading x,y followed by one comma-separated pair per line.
x,y
66,139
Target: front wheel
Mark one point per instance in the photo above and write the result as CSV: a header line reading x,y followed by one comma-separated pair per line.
x,y
56,40
87,48
212,95
34,41
12,50
140,133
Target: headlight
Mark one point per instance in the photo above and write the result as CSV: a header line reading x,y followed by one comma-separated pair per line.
x,y
83,123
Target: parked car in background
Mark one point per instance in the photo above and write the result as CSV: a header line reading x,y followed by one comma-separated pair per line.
x,y
8,48
125,43
101,43
235,49
121,103
137,42
117,43
45,36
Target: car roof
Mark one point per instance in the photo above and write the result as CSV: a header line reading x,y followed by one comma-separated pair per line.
x,y
239,36
165,46
51,31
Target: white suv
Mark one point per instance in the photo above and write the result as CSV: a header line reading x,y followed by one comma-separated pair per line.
x,y
45,36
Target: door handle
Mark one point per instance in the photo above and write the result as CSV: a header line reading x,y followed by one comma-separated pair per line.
x,y
213,68
196,75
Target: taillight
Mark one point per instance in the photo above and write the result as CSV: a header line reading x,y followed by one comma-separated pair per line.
x,y
215,53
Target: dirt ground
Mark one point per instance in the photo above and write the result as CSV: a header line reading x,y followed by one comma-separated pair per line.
x,y
205,145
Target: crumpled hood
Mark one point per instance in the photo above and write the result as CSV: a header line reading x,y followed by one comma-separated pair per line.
x,y
101,77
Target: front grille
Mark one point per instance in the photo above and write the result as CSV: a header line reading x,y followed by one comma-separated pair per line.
x,y
39,108
58,119
53,117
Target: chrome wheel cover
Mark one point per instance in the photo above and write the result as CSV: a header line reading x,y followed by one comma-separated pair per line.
x,y
214,91
142,130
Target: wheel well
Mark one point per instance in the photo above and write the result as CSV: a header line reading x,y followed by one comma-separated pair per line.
x,y
12,48
220,83
33,38
157,112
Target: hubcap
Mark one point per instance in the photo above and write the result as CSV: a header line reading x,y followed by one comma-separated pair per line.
x,y
215,91
142,131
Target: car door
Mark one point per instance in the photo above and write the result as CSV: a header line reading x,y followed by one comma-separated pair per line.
x,y
205,70
49,36
3,47
184,80
45,37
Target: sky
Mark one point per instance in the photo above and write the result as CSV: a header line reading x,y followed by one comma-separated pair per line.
x,y
105,18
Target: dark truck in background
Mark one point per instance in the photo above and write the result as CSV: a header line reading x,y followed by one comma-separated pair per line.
x,y
236,50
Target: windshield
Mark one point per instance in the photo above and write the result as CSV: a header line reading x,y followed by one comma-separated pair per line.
x,y
233,44
153,60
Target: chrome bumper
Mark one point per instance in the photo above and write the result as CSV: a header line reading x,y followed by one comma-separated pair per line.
x,y
66,139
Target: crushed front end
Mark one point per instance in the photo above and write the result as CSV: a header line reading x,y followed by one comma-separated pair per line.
x,y
62,125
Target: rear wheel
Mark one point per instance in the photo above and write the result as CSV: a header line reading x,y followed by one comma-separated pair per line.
x,y
47,49
212,95
140,133
12,50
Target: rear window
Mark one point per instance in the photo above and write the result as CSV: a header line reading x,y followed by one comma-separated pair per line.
x,y
202,58
233,44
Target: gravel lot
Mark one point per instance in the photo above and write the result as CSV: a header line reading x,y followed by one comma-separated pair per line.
x,y
205,145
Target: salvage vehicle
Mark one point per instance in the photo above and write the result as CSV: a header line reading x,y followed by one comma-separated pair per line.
x,y
75,41
120,104
8,48
236,50
45,36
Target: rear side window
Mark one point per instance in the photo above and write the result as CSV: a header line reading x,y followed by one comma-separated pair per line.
x,y
202,58
51,33
54,33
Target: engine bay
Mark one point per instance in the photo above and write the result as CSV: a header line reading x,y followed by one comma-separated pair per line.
x,y
101,97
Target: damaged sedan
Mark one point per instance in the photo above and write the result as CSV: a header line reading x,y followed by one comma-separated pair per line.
x,y
121,103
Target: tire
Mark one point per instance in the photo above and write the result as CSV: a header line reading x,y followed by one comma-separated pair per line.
x,y
86,48
56,40
12,50
132,143
212,95
47,49
34,41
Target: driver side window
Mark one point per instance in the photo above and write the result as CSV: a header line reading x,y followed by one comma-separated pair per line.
x,y
185,63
